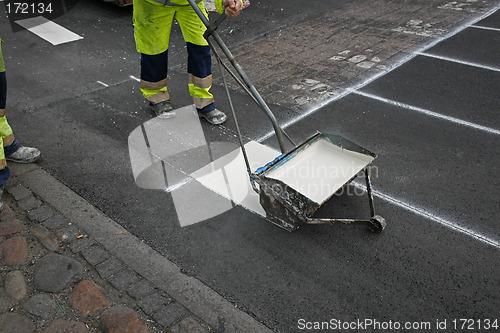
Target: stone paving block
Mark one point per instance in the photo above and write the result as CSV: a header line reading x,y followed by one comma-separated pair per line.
x,y
68,233
41,305
14,322
29,203
120,319
188,325
95,254
11,227
62,326
40,231
14,251
152,303
80,243
87,299
47,238
12,181
6,303
50,242
19,192
123,279
41,213
6,213
54,272
169,314
109,267
15,285
56,221
18,169
141,289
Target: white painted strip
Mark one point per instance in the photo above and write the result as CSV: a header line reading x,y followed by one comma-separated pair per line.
x,y
430,113
104,84
485,28
48,30
433,217
467,63
178,185
134,78
304,115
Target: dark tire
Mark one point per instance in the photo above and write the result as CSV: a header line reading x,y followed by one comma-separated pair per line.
x,y
377,224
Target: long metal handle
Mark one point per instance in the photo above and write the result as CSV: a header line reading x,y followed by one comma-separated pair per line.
x,y
237,67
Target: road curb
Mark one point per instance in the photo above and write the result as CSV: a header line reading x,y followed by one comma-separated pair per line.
x,y
199,299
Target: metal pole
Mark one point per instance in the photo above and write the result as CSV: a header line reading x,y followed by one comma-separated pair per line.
x,y
237,67
245,156
369,190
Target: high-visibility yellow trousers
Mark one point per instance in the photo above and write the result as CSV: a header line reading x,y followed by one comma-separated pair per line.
x,y
6,134
153,24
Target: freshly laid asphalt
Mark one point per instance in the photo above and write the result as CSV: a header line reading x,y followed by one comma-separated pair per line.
x,y
436,181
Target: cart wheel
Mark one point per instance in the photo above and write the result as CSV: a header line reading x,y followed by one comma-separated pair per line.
x,y
377,224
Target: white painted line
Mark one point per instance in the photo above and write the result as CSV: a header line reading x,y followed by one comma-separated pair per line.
x,y
433,217
484,28
304,115
430,113
134,78
174,187
467,63
104,84
48,30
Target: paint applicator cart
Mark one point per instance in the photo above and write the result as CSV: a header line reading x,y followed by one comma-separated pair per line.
x,y
295,184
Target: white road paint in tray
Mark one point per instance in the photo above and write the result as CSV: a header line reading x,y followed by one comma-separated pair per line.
x,y
48,30
320,170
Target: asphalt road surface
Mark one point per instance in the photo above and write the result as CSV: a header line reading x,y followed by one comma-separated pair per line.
x,y
414,82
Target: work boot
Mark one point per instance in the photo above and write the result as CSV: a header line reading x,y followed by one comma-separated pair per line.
x,y
163,109
24,155
214,117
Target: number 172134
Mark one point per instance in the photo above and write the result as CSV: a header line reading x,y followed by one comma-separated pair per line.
x,y
28,7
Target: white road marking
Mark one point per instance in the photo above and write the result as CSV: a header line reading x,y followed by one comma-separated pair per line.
x,y
178,185
134,78
468,63
433,217
430,113
484,28
48,30
102,83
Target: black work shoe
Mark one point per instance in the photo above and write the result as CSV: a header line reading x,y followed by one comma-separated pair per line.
x,y
214,117
24,155
163,109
